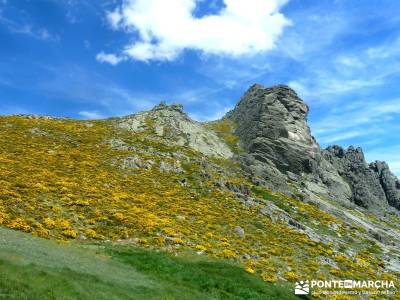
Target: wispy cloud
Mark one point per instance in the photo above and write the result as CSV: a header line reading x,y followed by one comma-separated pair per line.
x,y
357,70
109,58
28,29
86,44
329,85
340,136
90,91
385,51
358,114
368,124
91,115
204,117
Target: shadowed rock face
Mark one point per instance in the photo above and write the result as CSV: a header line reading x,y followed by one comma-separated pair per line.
x,y
278,147
373,185
389,182
365,183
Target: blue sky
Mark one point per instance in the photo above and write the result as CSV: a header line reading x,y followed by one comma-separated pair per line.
x,y
91,59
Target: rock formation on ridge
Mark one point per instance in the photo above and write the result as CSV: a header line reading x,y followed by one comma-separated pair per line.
x,y
278,150
278,147
169,121
389,182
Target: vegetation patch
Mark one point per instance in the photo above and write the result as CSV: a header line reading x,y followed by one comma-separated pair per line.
x,y
32,268
225,129
67,184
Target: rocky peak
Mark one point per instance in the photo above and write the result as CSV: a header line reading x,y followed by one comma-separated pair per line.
x,y
173,107
373,185
355,154
389,182
293,104
336,151
261,98
352,154
170,124
278,147
271,124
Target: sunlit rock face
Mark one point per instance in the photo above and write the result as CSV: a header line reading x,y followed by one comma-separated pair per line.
x,y
171,123
272,125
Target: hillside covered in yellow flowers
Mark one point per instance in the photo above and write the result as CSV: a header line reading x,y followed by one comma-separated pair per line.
x,y
140,182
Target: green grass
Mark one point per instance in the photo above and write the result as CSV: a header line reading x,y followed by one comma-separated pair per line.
x,y
262,193
34,268
202,278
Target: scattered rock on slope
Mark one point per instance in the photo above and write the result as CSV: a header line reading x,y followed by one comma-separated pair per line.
x,y
171,123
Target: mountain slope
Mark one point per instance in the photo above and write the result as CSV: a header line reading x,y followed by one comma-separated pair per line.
x,y
254,188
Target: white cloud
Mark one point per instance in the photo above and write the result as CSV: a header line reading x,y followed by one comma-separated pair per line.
x,y
41,34
91,115
109,58
166,28
114,18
